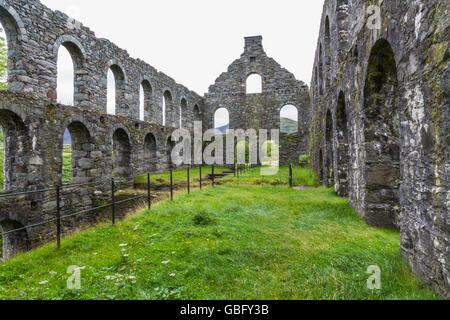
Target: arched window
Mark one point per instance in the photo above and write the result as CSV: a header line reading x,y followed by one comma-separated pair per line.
x,y
150,152
76,160
327,51
330,149
183,111
116,88
145,94
65,82
289,119
197,116
121,154
16,149
343,156
13,33
254,84
2,154
221,120
111,95
3,60
382,136
69,58
167,101
271,150
320,70
169,147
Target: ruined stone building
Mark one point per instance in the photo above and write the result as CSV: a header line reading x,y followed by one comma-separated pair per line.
x,y
375,120
261,110
380,121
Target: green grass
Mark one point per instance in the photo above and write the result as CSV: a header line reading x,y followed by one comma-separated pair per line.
x,y
67,165
179,176
224,242
302,176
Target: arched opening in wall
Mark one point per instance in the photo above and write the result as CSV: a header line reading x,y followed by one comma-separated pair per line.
x,y
382,137
70,58
242,152
330,150
11,35
2,157
65,88
272,150
289,119
12,243
167,102
197,116
221,120
76,154
183,111
327,51
116,88
121,154
320,70
320,167
169,147
343,151
145,94
16,153
254,84
3,59
150,152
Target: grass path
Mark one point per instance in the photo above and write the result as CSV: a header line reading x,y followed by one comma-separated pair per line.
x,y
223,243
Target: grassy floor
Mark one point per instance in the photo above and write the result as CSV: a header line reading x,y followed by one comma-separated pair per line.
x,y
304,176
224,242
67,166
179,176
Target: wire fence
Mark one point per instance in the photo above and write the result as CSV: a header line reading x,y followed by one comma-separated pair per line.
x,y
239,172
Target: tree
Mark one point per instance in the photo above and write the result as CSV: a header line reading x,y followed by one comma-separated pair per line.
x,y
3,61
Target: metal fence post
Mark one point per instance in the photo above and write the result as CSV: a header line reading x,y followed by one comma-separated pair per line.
x,y
149,198
290,175
113,198
188,181
171,185
58,217
212,168
200,177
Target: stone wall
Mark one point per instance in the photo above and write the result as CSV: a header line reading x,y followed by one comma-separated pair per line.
x,y
35,34
380,117
260,111
34,132
102,145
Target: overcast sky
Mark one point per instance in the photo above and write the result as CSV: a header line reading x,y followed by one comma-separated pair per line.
x,y
194,41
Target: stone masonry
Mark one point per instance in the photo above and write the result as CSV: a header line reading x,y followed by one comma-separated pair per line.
x,y
377,115
380,121
261,111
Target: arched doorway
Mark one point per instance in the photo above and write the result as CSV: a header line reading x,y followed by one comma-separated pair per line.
x,y
221,120
382,137
150,153
76,159
343,156
289,119
121,154
116,88
329,150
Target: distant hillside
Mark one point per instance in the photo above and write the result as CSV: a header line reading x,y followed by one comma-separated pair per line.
x,y
288,125
67,139
223,130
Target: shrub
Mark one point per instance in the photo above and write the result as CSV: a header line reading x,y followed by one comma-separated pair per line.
x,y
203,219
304,160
